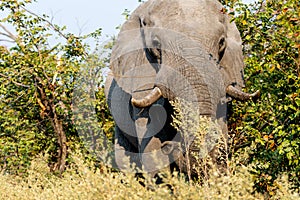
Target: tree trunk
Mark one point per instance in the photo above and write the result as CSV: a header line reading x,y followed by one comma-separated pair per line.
x,y
60,164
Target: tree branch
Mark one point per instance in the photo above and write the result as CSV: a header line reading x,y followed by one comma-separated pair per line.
x,y
51,25
48,22
10,41
14,82
8,33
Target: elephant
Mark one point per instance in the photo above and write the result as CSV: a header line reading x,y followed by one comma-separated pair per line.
x,y
166,50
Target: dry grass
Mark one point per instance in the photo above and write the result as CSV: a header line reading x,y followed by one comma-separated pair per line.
x,y
81,182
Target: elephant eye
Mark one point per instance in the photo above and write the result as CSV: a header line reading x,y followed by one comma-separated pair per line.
x,y
153,51
143,22
156,43
222,47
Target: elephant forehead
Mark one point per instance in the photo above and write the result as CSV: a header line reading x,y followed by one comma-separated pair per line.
x,y
190,10
197,19
195,8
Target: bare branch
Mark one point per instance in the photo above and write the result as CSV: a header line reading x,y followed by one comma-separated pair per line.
x,y
8,33
5,34
48,22
10,41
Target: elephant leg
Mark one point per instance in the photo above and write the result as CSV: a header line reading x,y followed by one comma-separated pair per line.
x,y
126,155
153,158
216,160
223,149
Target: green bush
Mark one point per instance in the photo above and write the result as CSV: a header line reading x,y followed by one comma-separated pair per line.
x,y
270,127
36,88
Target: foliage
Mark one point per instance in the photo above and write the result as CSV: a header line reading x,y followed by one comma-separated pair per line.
x,y
269,127
36,88
91,116
37,83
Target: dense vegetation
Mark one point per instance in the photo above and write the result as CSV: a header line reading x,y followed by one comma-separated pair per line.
x,y
38,80
270,127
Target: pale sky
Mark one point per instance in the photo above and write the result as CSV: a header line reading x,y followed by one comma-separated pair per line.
x,y
88,15
85,16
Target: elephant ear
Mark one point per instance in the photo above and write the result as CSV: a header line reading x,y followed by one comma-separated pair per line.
x,y
128,61
232,62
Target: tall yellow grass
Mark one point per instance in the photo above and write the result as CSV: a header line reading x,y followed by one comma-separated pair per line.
x,y
82,181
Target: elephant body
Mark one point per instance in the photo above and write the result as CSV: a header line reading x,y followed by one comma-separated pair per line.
x,y
186,49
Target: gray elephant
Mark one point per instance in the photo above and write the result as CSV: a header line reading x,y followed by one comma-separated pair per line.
x,y
185,49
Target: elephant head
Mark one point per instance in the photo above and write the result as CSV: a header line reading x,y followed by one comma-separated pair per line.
x,y
167,49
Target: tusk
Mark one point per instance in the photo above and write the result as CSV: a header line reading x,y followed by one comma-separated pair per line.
x,y
148,100
240,95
